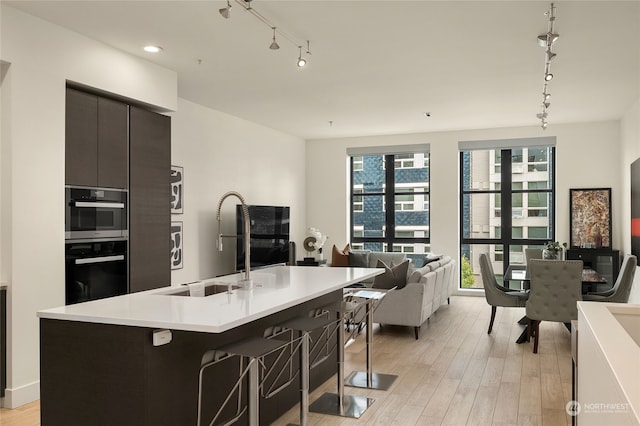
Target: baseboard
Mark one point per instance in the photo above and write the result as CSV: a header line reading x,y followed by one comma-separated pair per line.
x,y
14,398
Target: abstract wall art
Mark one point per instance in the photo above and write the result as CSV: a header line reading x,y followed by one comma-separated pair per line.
x,y
590,217
176,245
635,207
177,189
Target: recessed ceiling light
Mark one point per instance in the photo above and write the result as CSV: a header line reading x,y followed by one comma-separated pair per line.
x,y
152,49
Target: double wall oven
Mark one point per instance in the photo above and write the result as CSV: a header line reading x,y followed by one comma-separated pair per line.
x,y
96,243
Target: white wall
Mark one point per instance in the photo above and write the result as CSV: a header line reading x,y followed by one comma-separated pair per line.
x,y
630,152
586,155
218,152
39,58
221,153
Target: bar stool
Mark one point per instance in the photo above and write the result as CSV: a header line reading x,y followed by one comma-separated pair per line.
x,y
368,379
339,404
304,326
254,349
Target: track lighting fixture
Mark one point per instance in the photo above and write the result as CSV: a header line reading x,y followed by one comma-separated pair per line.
x,y
246,5
301,61
225,11
547,40
274,45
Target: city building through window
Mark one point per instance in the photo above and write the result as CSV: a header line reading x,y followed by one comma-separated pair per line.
x,y
507,199
389,200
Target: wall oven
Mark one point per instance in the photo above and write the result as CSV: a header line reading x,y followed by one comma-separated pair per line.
x,y
95,213
95,269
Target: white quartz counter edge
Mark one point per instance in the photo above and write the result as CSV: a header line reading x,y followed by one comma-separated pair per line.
x,y
275,289
620,350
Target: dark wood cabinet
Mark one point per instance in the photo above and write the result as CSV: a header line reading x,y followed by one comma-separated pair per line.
x,y
605,261
149,195
81,139
96,141
113,136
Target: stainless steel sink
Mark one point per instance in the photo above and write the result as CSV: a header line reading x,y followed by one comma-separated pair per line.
x,y
208,290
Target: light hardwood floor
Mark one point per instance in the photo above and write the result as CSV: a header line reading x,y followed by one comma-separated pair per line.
x,y
455,374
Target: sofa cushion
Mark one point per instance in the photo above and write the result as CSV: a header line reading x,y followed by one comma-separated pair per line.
x,y
340,257
394,276
417,274
359,258
387,257
430,258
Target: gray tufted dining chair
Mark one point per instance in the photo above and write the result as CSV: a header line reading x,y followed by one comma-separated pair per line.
x,y
621,290
495,294
556,286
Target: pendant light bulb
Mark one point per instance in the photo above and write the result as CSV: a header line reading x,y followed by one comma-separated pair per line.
x,y
274,45
301,61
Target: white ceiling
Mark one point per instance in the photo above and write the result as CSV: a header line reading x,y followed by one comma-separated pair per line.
x,y
377,66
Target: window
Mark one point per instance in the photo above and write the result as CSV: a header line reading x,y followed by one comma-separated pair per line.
x,y
390,203
517,207
357,163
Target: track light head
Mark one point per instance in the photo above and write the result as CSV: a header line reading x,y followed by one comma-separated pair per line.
x,y
544,125
548,76
546,104
546,96
301,61
274,45
225,11
550,55
541,115
552,38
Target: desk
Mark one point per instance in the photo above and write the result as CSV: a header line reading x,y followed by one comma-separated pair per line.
x,y
590,279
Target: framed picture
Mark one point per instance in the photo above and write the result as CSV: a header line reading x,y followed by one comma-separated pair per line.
x,y
635,207
590,218
177,189
176,245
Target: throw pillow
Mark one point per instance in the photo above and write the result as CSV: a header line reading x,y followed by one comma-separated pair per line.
x,y
359,259
394,276
429,259
340,257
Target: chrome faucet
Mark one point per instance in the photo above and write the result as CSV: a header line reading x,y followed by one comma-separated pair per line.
x,y
247,228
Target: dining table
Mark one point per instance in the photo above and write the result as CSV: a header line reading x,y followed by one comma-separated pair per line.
x,y
519,273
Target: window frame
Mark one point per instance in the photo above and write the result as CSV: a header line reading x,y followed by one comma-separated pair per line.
x,y
503,206
390,190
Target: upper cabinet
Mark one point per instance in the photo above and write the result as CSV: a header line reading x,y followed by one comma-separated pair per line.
x,y
96,141
149,195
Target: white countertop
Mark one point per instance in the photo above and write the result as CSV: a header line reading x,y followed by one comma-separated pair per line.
x,y
616,327
274,290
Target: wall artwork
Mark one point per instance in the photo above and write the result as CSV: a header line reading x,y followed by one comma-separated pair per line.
x,y
177,189
176,245
590,217
635,207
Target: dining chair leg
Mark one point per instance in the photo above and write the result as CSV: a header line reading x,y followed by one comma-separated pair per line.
x,y
493,316
529,326
536,336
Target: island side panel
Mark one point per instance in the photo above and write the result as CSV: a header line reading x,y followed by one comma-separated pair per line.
x,y
91,374
103,374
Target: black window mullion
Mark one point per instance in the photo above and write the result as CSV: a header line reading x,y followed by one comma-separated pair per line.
x,y
506,208
389,199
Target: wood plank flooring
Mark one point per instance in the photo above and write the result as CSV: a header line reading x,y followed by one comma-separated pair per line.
x,y
455,374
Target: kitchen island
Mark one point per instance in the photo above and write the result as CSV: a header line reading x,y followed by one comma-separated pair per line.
x,y
99,364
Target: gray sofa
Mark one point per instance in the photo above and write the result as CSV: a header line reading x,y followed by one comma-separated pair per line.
x,y
428,288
